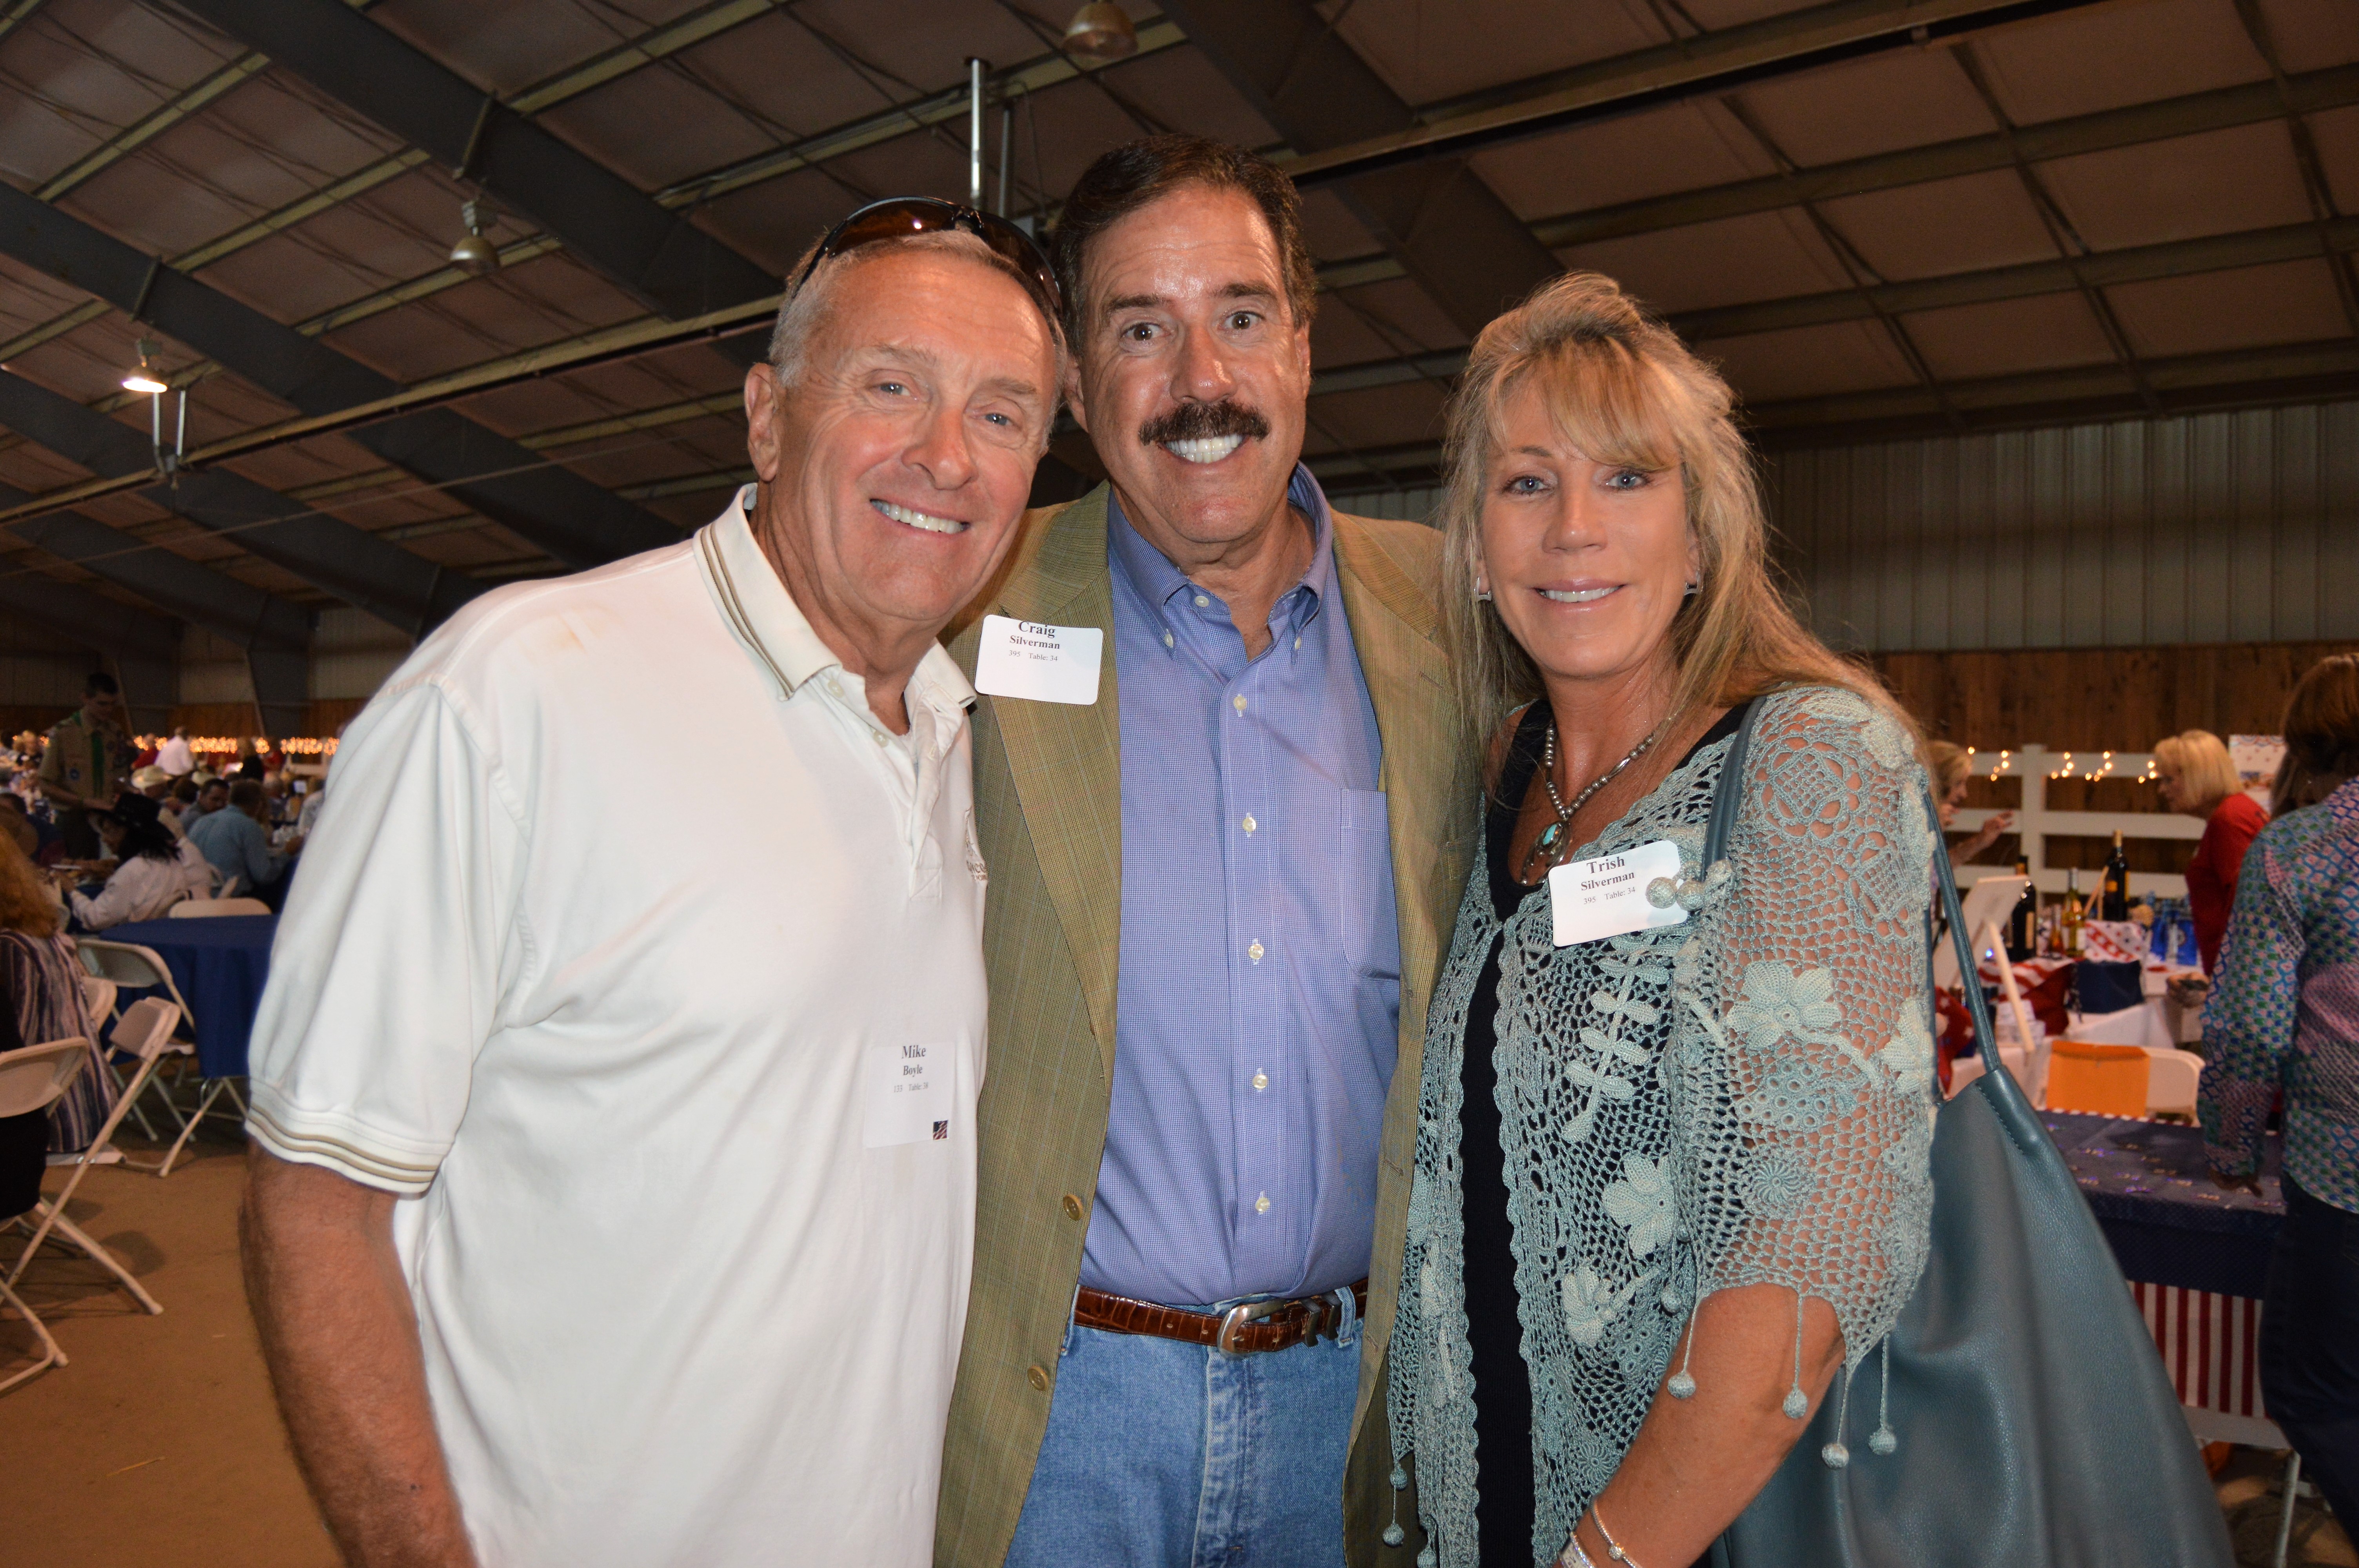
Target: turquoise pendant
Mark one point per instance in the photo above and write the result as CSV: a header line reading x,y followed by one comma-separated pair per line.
x,y
1550,837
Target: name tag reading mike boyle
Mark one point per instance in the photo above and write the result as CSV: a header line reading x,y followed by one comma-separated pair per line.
x,y
1591,900
1037,663
909,1093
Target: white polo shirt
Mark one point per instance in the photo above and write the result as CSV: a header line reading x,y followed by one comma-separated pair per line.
x,y
689,1246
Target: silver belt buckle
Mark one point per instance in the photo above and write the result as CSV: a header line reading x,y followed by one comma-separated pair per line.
x,y
1237,1317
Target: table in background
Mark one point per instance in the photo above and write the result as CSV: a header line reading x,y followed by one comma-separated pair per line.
x,y
2197,1257
220,965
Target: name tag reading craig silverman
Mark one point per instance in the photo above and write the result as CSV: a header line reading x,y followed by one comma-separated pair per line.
x,y
1037,663
1589,899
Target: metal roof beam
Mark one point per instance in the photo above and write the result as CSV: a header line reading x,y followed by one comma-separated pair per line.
x,y
385,424
551,506
2192,114
237,612
1450,232
83,617
906,119
664,261
404,590
2220,253
1710,63
2243,378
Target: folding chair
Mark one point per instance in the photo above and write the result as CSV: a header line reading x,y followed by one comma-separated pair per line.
x,y
102,997
32,1079
198,908
137,967
2172,1079
99,997
145,1032
2101,1080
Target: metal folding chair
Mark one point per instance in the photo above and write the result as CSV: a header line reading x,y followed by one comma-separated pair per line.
x,y
99,997
135,968
32,1079
145,1032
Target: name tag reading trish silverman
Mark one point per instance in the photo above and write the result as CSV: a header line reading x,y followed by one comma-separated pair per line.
x,y
1591,900
1038,663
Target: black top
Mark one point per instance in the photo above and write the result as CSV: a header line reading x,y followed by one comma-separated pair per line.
x,y
1503,1385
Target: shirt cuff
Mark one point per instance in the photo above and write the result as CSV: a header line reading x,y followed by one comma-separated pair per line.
x,y
342,1143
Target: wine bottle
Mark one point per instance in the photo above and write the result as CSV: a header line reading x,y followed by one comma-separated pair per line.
x,y
2068,929
2116,905
2023,921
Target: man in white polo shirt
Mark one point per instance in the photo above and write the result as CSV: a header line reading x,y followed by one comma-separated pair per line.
x,y
611,1195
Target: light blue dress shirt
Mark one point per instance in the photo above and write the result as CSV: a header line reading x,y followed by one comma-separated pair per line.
x,y
1257,1003
237,846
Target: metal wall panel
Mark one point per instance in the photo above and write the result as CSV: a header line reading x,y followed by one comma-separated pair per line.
x,y
2233,527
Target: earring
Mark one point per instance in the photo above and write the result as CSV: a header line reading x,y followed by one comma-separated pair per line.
x,y
1484,594
1691,591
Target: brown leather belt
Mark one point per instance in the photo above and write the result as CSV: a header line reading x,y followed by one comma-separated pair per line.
x,y
1244,1330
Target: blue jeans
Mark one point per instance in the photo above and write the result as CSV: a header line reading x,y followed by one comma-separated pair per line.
x,y
1160,1454
2309,1345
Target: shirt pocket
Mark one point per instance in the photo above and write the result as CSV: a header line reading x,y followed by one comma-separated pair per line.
x,y
1363,859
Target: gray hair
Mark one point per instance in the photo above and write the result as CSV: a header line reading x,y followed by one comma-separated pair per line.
x,y
800,318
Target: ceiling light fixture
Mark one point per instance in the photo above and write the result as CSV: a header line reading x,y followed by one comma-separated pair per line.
x,y
143,379
1101,33
475,254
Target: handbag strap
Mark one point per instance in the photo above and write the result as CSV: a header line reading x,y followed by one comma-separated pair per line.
x,y
1727,798
1728,793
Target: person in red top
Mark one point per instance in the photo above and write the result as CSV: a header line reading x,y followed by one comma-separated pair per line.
x,y
2196,777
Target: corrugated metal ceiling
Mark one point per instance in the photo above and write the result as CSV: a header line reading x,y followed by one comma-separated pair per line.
x,y
2126,207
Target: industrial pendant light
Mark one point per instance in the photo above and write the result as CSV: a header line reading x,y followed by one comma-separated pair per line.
x,y
1101,33
144,380
475,254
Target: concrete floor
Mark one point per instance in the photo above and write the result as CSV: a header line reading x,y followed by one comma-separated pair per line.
x,y
159,1443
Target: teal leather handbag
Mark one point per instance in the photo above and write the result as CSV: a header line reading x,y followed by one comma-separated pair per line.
x,y
2036,1424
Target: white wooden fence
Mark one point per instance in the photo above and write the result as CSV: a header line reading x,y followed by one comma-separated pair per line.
x,y
2034,765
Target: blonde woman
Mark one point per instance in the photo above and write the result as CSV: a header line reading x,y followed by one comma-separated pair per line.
x,y
2195,776
1950,774
1670,1181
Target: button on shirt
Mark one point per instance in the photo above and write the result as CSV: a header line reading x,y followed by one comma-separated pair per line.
x,y
688,1281
1257,1001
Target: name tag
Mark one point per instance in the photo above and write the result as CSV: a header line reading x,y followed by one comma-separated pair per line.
x,y
909,1093
1037,663
1592,900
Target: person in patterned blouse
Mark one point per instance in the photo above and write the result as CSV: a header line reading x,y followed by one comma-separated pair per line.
x,y
1671,1167
2284,1015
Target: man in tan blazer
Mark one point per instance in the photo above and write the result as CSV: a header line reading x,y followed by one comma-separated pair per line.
x,y
1219,882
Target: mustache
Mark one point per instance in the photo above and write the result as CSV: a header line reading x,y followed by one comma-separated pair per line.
x,y
1204,422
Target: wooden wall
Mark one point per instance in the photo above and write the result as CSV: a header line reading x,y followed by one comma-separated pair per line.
x,y
2095,699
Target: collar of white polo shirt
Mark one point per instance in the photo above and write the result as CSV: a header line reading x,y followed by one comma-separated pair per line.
x,y
764,619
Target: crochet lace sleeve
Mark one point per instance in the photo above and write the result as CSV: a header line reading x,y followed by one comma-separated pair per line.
x,y
1810,1034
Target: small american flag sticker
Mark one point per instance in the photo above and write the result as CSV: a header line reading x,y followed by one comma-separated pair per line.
x,y
941,1130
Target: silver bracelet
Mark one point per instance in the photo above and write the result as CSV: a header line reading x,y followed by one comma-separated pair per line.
x,y
1572,1556
1612,1547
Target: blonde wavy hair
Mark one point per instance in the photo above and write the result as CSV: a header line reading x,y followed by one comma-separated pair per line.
x,y
1625,391
2205,770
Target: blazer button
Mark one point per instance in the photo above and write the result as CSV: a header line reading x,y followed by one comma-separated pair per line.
x,y
1072,1207
1038,1377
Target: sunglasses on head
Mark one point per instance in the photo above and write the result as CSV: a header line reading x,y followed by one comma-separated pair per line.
x,y
899,217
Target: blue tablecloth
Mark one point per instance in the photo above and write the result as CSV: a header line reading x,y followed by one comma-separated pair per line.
x,y
2146,1182
220,965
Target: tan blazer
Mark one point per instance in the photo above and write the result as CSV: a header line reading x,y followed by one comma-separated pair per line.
x,y
1048,814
